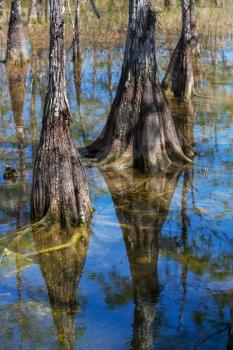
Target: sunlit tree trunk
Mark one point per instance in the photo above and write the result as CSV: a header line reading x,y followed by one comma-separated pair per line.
x,y
60,187
179,75
139,131
16,50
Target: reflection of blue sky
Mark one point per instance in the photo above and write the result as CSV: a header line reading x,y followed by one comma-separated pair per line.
x,y
209,210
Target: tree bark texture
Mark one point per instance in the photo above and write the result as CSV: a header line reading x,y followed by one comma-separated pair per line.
x,y
60,186
139,131
179,75
16,47
142,204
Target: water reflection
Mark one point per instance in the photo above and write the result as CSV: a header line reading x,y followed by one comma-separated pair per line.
x,y
142,204
61,258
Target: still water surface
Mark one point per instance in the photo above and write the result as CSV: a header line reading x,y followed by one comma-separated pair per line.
x,y
157,268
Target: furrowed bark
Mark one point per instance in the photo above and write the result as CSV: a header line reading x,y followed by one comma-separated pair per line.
x,y
16,47
179,75
139,131
60,187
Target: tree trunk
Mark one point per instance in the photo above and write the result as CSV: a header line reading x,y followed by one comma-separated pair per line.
x,y
142,204
32,16
39,10
60,187
168,4
219,3
139,131
47,10
35,12
179,75
76,43
194,33
16,50
1,8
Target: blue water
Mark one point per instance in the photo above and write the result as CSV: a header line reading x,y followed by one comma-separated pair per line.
x,y
182,284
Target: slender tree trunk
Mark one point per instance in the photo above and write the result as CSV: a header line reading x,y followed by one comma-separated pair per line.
x,y
193,26
76,43
16,50
32,16
47,10
179,75
39,10
139,131
1,8
219,3
60,187
35,12
168,4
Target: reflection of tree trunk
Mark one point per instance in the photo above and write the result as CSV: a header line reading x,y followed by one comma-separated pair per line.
x,y
139,130
17,89
183,114
33,107
16,51
179,75
109,68
60,187
78,83
141,205
184,273
62,269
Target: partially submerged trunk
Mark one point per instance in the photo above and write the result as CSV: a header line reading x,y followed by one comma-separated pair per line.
x,y
61,258
139,131
179,75
142,204
16,47
60,187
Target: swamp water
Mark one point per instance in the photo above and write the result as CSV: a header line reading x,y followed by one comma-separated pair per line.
x,y
157,268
